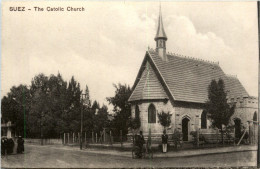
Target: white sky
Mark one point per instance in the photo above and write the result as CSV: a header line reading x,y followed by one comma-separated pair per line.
x,y
106,44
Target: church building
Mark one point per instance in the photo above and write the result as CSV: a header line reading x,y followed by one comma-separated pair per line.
x,y
179,85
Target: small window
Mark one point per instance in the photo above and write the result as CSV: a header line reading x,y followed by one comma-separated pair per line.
x,y
151,114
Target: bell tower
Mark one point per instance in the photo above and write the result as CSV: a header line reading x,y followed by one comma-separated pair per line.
x,y
161,38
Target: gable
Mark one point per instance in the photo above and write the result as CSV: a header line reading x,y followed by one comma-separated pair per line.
x,y
148,87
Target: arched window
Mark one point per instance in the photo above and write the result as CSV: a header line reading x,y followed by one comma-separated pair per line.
x,y
151,114
204,120
137,111
255,116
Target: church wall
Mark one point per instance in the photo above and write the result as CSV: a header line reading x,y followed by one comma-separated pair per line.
x,y
244,114
156,128
193,114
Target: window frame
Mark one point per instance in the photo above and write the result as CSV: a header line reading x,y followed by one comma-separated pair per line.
x,y
152,114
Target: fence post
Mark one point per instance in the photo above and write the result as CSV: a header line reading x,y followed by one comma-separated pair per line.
x,y
79,137
253,139
85,138
96,137
73,137
68,138
249,134
234,136
217,136
93,139
111,141
64,142
121,139
198,138
104,135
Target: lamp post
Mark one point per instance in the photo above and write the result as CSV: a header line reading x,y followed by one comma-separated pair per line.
x,y
81,120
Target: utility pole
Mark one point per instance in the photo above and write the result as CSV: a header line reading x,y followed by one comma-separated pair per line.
x,y
41,129
81,120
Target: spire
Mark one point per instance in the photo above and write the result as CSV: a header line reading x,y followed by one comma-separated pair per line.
x,y
160,31
161,38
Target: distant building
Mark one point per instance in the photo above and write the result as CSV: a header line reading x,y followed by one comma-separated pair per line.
x,y
178,84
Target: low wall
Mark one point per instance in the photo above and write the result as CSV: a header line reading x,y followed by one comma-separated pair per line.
x,y
45,141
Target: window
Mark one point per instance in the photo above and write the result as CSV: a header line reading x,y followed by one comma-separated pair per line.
x,y
151,114
137,111
204,120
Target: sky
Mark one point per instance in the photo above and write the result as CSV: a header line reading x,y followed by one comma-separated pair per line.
x,y
106,43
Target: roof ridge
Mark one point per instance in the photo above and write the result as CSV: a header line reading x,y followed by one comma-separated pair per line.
x,y
232,76
188,57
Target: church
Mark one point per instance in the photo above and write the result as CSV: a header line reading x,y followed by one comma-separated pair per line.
x,y
179,85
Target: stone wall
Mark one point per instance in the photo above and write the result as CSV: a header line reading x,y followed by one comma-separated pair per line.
x,y
245,110
160,106
194,116
244,114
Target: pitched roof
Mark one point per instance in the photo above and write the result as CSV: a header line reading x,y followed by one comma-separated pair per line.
x,y
149,87
188,79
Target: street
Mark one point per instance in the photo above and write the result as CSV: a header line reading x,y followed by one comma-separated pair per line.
x,y
36,156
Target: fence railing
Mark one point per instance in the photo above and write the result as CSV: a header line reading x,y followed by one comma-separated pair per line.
x,y
93,138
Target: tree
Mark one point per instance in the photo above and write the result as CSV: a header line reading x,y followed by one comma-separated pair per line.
x,y
55,107
219,111
15,107
74,103
101,119
121,108
49,107
165,119
40,116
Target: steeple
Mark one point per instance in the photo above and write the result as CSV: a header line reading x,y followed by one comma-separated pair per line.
x,y
161,38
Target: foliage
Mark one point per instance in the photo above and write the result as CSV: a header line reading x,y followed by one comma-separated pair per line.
x,y
101,119
219,111
135,123
15,107
121,108
165,119
49,106
177,137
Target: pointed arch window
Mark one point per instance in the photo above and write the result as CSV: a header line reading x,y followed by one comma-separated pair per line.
x,y
137,111
151,114
255,116
204,120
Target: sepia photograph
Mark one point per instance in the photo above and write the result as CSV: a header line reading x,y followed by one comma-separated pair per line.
x,y
129,84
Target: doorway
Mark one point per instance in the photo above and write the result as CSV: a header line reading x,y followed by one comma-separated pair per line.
x,y
185,129
237,128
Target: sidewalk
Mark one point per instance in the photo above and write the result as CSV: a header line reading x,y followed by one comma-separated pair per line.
x,y
171,154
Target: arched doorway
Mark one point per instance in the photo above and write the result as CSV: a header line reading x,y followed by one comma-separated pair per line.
x,y
237,122
185,129
137,111
204,120
255,116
